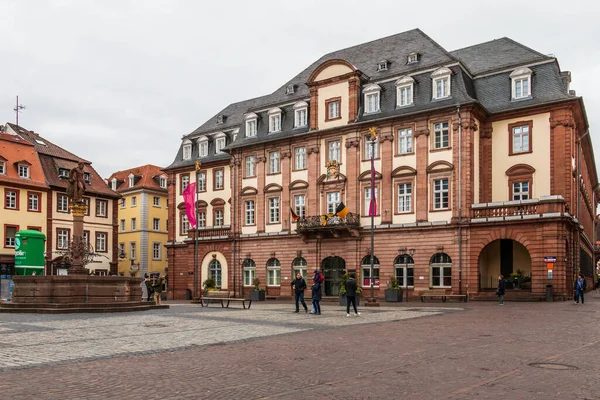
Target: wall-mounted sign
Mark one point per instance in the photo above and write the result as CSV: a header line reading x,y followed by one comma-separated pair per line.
x,y
550,259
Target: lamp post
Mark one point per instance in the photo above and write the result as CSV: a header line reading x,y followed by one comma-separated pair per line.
x,y
198,164
411,251
373,137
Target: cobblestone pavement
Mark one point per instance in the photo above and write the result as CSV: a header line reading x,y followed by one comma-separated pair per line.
x,y
416,351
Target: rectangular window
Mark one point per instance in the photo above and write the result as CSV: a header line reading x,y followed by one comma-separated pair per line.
x,y
274,162
201,176
23,171
405,96
371,148
300,205
372,102
101,241
132,250
201,220
163,183
187,152
441,87
133,224
333,109
101,207
156,224
368,200
62,239
334,151
122,225
203,148
274,210
156,250
122,202
440,135
86,201
86,237
33,202
156,201
404,197
251,128
219,220
250,166
300,158
134,201
2,167
185,181
275,123
63,203
122,249
441,275
219,144
405,141
520,191
10,232
367,276
185,224
300,117
520,139
11,200
249,274
405,275
333,199
521,87
250,212
440,194
274,277
219,174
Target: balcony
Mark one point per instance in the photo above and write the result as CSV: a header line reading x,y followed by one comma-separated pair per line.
x,y
322,226
211,233
544,207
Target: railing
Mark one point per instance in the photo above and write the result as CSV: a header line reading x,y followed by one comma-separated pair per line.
x,y
323,221
545,206
210,232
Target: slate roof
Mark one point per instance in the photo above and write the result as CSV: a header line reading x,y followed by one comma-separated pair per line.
x,y
470,84
145,177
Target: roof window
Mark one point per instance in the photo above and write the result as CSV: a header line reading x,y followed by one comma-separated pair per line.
x,y
382,66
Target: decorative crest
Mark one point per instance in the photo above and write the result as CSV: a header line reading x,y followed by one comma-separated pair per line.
x,y
333,169
373,133
198,164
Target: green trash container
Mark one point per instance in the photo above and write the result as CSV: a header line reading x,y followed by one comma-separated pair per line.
x,y
29,253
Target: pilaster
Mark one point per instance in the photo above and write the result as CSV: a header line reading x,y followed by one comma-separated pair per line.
x,y
422,155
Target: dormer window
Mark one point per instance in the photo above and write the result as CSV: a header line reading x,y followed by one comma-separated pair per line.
x,y
290,89
251,120
114,184
187,150
521,84
300,114
63,173
220,119
275,120
412,58
2,167
404,91
441,83
203,147
23,171
220,142
163,182
371,93
131,180
382,66
87,178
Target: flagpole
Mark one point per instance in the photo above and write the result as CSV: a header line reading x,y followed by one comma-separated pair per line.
x,y
196,277
372,212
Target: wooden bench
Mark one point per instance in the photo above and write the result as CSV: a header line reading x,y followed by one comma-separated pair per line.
x,y
441,294
222,297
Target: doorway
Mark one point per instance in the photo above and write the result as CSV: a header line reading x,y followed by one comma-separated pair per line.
x,y
333,268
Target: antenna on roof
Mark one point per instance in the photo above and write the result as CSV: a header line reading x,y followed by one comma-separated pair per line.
x,y
18,109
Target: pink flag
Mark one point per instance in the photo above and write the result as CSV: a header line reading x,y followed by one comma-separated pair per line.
x,y
189,197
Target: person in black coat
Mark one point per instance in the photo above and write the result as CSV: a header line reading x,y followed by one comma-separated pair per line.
x,y
299,285
317,294
501,290
580,288
351,288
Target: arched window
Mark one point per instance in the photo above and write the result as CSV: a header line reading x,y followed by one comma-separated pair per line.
x,y
300,266
249,269
273,272
366,271
214,271
441,270
404,267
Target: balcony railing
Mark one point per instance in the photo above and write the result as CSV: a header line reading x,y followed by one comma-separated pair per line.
x,y
318,222
545,206
211,232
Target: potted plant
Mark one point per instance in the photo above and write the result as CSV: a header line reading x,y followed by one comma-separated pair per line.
x,y
342,285
257,294
209,285
394,292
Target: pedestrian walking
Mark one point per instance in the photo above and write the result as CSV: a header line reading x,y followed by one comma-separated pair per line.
x,y
157,286
299,285
351,288
317,294
501,290
580,287
317,277
149,288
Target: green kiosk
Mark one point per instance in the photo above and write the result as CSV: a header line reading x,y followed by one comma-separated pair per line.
x,y
29,253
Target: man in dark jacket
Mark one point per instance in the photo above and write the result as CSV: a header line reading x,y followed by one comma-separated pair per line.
x,y
580,287
317,294
299,285
501,290
351,288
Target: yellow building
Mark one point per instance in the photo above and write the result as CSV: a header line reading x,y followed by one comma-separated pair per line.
x,y
142,219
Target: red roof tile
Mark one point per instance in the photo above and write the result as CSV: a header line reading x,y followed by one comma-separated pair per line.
x,y
13,151
146,177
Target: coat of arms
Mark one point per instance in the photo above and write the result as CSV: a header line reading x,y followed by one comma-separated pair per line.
x,y
333,169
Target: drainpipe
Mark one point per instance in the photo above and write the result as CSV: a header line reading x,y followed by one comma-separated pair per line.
x,y
576,267
234,221
459,200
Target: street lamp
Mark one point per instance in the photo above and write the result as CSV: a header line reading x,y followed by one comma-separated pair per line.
x,y
372,205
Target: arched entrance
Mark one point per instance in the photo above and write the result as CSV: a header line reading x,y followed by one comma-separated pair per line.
x,y
506,257
333,268
214,265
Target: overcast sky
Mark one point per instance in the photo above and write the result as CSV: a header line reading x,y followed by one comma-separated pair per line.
x,y
119,82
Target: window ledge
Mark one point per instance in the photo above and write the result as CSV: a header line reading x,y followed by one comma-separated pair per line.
x,y
441,98
521,99
399,106
412,153
440,149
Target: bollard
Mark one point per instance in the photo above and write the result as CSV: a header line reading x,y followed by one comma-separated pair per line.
x,y
549,296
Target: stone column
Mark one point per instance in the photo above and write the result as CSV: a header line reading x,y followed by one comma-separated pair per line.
x,y
485,163
422,155
286,155
78,209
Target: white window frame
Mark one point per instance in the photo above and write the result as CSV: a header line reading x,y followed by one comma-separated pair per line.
x,y
401,274
273,272
2,167
300,205
250,208
203,147
518,192
134,201
443,78
405,141
405,193
133,224
300,114
333,200
23,171
62,239
274,120
442,267
122,202
250,163
517,78
249,271
185,181
300,158
215,272
156,251
518,133
333,109
367,192
201,219
122,225
201,181
404,91
219,218
220,143
440,193
366,273
10,241
101,239
132,250
10,200
372,97
187,150
274,204
274,160
156,201
63,203
101,208
441,130
251,125
33,200
156,224
185,224
300,266
113,182
163,182
370,148
220,179
334,150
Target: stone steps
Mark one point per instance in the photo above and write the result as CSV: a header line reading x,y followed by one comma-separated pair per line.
x,y
53,308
